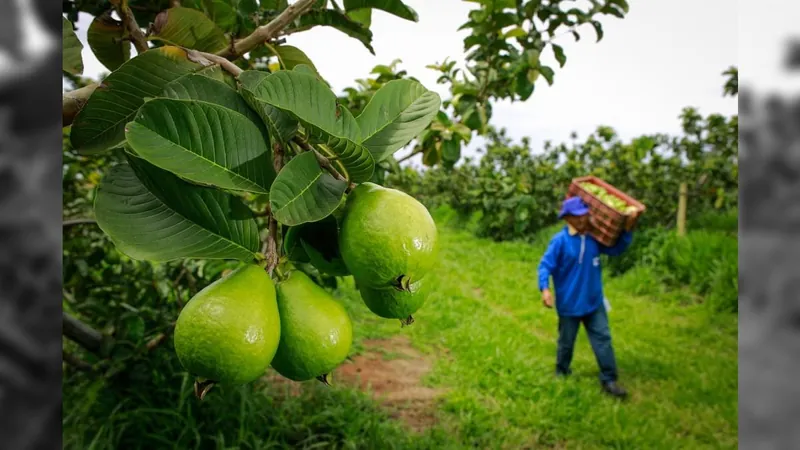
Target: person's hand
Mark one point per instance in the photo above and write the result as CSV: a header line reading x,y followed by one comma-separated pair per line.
x,y
547,298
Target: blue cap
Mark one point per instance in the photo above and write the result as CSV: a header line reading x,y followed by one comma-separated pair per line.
x,y
573,206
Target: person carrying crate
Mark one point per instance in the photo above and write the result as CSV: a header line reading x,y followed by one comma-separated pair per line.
x,y
572,259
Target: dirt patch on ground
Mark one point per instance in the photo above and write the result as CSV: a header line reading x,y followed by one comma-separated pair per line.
x,y
391,371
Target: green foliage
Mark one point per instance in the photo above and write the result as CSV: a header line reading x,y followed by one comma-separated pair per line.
x,y
303,192
105,38
71,59
517,192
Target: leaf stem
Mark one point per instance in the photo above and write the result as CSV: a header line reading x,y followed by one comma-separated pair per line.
x,y
323,161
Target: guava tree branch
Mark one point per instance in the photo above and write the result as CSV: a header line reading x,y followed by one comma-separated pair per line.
x,y
207,59
137,36
272,251
269,31
73,102
410,155
323,161
83,335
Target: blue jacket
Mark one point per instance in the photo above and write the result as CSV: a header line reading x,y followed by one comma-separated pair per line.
x,y
574,263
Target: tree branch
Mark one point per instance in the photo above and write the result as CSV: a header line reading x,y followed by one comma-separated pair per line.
x,y
72,222
73,102
410,155
269,31
84,335
272,247
208,59
323,161
136,34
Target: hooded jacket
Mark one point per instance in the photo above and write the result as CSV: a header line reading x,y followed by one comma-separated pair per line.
x,y
573,260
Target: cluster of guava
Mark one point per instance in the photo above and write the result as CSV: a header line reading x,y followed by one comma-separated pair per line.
x,y
235,328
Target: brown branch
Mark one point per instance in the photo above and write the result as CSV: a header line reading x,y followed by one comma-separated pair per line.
x,y
323,161
73,101
272,244
269,31
73,222
84,335
410,155
76,362
136,34
208,59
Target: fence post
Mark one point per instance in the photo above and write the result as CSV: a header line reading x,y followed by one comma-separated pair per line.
x,y
682,209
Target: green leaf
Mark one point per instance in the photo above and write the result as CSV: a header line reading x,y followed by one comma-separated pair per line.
x,y
395,115
523,86
211,89
222,14
622,4
338,21
282,126
290,57
152,215
396,7
307,99
451,150
71,60
203,143
558,51
100,125
516,32
320,241
105,39
362,16
547,73
188,28
303,192
598,28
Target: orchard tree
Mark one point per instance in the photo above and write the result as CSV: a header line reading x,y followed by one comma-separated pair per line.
x,y
232,146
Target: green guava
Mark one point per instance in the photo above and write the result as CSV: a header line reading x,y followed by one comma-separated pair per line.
x,y
387,238
316,332
228,333
394,303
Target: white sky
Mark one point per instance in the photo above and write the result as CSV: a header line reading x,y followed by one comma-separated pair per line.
x,y
667,54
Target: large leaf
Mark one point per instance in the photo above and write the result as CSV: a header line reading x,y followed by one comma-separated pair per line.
x,y
396,7
152,215
290,56
282,126
105,38
339,21
203,142
362,16
209,88
306,98
303,192
100,125
395,115
71,60
188,28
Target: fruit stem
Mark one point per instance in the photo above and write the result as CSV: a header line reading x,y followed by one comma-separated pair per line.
x,y
324,379
407,321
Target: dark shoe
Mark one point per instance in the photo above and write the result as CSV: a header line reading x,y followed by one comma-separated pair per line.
x,y
615,390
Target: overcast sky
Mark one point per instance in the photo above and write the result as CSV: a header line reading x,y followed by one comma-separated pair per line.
x,y
665,55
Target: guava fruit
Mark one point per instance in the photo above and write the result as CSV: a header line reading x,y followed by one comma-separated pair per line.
x,y
228,333
394,303
316,332
387,238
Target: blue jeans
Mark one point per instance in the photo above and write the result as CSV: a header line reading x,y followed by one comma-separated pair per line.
x,y
597,329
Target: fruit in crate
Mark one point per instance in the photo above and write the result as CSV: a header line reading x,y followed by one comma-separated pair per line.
x,y
608,198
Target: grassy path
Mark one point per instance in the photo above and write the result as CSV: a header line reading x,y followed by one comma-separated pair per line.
x,y
494,344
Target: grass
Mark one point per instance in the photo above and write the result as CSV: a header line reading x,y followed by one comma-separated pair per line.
x,y
678,360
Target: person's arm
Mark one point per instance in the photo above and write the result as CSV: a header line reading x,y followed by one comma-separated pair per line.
x,y
619,248
548,264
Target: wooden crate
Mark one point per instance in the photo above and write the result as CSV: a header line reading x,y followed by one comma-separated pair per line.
x,y
606,222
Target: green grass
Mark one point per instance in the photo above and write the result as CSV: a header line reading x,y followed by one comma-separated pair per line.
x,y
678,360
